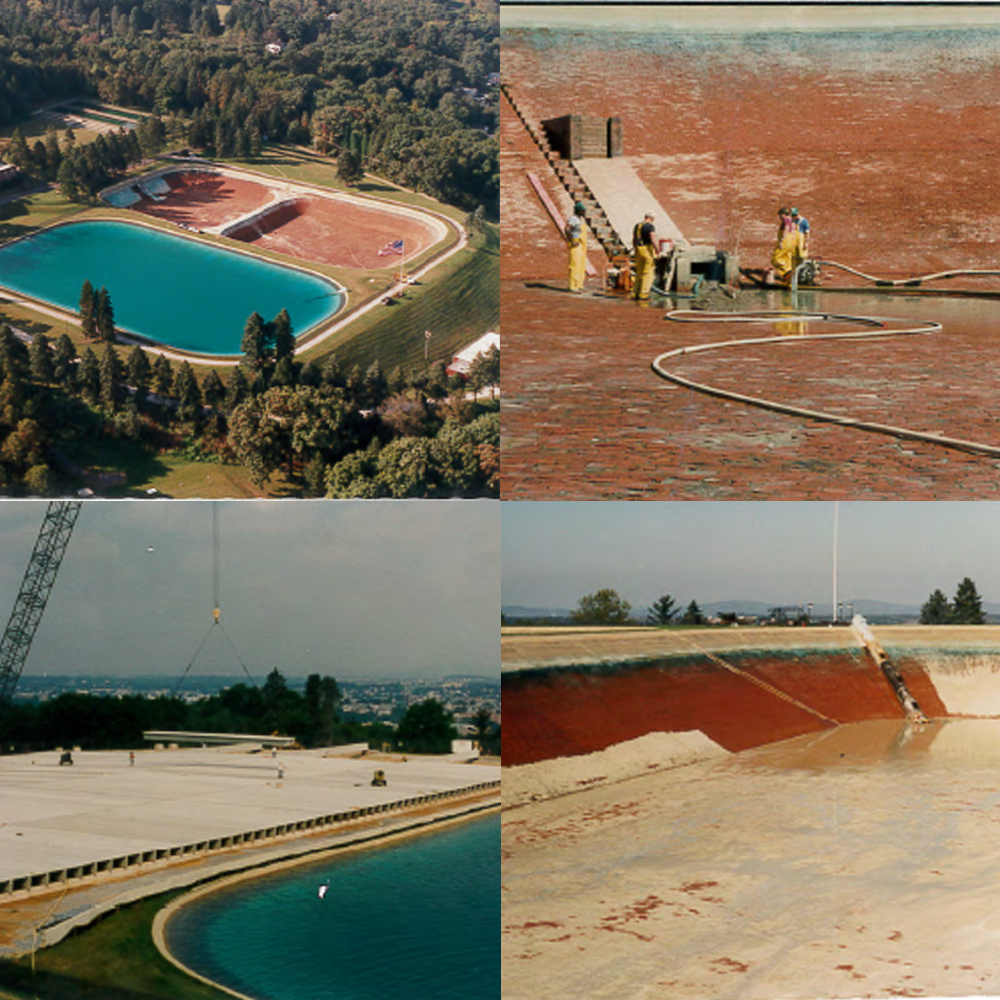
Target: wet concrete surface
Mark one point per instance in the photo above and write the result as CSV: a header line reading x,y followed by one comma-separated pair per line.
x,y
856,862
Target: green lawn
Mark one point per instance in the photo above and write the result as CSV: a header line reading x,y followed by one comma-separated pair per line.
x,y
115,959
459,302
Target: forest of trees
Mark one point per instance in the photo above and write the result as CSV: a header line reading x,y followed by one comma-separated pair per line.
x,y
100,722
335,433
402,86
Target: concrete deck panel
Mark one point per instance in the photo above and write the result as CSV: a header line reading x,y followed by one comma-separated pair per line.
x,y
54,817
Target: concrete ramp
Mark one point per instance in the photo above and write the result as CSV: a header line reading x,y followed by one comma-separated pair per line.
x,y
624,198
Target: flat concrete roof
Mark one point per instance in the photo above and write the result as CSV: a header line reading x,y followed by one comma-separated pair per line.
x,y
54,817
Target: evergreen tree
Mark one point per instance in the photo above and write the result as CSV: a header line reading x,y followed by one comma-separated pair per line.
x,y
310,375
213,389
139,372
88,311
64,363
693,615
255,343
284,372
967,607
163,375
42,369
53,155
349,169
237,388
18,152
69,184
662,611
112,392
936,610
187,392
332,376
89,377
105,315
283,336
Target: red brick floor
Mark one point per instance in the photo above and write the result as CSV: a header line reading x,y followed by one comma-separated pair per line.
x,y
895,163
584,417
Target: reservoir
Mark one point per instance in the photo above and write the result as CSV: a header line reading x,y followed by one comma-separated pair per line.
x,y
416,918
171,289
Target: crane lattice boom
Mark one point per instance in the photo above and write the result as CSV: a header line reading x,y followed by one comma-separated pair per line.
x,y
46,558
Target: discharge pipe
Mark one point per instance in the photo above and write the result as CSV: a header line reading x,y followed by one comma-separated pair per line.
x,y
890,282
863,631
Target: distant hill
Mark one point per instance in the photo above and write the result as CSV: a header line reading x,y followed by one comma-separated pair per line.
x,y
876,611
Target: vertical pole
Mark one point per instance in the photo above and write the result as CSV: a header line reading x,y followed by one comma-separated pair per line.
x,y
836,528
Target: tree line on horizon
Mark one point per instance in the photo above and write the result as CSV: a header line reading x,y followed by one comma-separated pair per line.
x,y
384,82
607,607
108,722
965,609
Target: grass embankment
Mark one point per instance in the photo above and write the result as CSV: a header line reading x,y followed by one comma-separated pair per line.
x,y
114,959
458,302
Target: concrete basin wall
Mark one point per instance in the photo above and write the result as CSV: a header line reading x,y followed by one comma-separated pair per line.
x,y
568,692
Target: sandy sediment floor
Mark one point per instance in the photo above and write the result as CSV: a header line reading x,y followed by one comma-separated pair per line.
x,y
858,862
562,775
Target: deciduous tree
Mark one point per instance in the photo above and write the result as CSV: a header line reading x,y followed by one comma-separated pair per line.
x,y
604,607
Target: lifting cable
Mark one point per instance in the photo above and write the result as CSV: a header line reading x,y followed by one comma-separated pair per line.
x,y
877,327
216,609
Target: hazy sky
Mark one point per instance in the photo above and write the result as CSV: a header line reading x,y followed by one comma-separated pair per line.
x,y
709,16
350,589
554,553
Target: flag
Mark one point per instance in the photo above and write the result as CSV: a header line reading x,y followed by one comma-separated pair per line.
x,y
395,247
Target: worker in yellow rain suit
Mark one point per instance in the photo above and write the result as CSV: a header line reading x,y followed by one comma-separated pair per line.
x,y
790,249
576,239
644,246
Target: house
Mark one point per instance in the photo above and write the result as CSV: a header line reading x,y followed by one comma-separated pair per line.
x,y
8,173
462,362
274,48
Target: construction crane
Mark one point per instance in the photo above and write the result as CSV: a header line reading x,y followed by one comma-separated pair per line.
x,y
50,547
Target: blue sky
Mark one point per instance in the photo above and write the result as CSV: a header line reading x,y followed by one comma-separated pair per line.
x,y
352,589
553,553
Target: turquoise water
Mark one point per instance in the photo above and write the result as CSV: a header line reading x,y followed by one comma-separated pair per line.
x,y
417,920
171,289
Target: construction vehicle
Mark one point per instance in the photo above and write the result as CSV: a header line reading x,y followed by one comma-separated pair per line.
x,y
379,780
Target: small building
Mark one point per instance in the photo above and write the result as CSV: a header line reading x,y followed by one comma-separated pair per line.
x,y
8,174
462,362
577,136
274,48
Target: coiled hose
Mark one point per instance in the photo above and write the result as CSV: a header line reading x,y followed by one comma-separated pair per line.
x,y
872,327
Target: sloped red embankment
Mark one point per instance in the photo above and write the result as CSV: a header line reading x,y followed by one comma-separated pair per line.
x,y
561,711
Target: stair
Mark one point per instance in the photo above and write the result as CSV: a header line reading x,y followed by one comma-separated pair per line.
x,y
611,242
